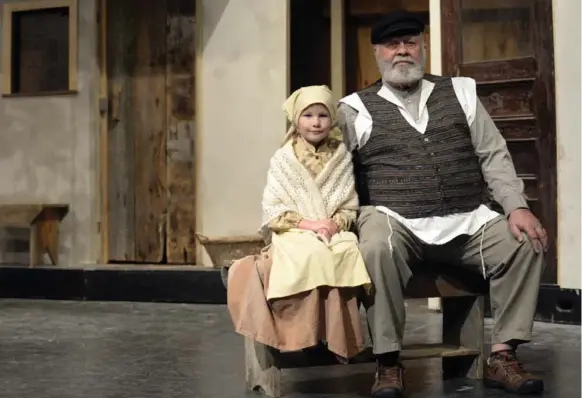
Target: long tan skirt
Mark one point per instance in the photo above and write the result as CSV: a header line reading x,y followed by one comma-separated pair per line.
x,y
296,322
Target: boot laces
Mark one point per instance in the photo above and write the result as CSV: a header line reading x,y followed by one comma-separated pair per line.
x,y
511,364
391,374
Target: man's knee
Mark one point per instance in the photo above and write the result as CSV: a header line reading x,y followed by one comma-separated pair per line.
x,y
527,255
380,257
521,250
372,224
376,249
524,255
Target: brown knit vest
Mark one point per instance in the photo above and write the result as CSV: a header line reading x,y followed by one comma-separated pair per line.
x,y
419,175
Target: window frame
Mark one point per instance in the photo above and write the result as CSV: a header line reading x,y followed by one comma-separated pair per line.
x,y
8,9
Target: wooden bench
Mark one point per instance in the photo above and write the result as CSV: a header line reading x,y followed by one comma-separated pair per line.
x,y
43,220
462,344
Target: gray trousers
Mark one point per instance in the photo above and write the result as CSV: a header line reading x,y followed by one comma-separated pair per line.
x,y
513,269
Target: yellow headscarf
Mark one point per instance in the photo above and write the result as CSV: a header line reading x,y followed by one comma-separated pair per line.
x,y
302,99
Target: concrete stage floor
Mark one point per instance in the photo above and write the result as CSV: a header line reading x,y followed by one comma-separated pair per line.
x,y
52,349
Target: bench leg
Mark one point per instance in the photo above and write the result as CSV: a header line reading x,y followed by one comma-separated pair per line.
x,y
464,325
50,235
36,250
261,369
44,238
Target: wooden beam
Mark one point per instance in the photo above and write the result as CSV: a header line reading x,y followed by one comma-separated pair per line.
x,y
379,7
121,132
180,118
199,112
337,48
150,124
103,131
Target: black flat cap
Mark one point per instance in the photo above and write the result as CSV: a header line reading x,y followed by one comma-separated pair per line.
x,y
397,23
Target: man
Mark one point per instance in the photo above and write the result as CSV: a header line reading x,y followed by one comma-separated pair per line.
x,y
426,154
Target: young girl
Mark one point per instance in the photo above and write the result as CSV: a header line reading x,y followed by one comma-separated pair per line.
x,y
302,288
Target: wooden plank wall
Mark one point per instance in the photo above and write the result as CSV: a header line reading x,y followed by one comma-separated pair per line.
x,y
151,152
149,118
121,43
181,207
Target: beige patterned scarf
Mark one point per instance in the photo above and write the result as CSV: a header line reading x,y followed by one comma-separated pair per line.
x,y
290,187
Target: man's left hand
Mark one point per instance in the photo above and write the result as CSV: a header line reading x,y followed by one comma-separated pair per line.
x,y
523,220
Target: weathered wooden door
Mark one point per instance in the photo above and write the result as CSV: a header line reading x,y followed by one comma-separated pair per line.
x,y
507,46
150,182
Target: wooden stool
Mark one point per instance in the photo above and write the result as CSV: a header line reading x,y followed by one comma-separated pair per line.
x,y
43,220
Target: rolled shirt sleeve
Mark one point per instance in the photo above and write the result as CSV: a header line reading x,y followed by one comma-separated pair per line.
x,y
285,222
496,163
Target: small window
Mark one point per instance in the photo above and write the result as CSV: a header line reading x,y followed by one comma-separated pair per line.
x,y
39,47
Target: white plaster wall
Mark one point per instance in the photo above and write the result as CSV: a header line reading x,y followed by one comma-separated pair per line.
x,y
435,36
242,81
48,151
567,53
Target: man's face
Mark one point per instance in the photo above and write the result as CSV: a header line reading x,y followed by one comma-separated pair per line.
x,y
401,60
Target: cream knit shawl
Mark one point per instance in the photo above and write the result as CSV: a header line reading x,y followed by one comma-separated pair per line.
x,y
290,187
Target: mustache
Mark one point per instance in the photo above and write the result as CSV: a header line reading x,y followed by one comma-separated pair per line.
x,y
398,59
389,65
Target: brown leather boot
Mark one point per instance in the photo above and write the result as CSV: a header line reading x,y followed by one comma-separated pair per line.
x,y
503,371
389,382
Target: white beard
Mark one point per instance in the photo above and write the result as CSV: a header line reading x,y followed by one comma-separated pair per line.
x,y
401,74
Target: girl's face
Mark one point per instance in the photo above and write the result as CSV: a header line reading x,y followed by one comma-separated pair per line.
x,y
314,124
